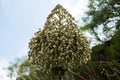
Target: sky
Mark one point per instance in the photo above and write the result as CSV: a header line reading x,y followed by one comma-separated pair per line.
x,y
20,19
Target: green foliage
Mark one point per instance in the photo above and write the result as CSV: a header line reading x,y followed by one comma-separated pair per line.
x,y
22,69
93,70
100,70
60,46
108,51
104,14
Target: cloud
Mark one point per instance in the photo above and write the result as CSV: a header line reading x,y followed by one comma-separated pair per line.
x,y
75,7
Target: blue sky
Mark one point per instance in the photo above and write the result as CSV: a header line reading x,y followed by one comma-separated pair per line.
x,y
20,19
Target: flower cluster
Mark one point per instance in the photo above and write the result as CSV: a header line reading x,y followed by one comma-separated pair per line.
x,y
60,43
